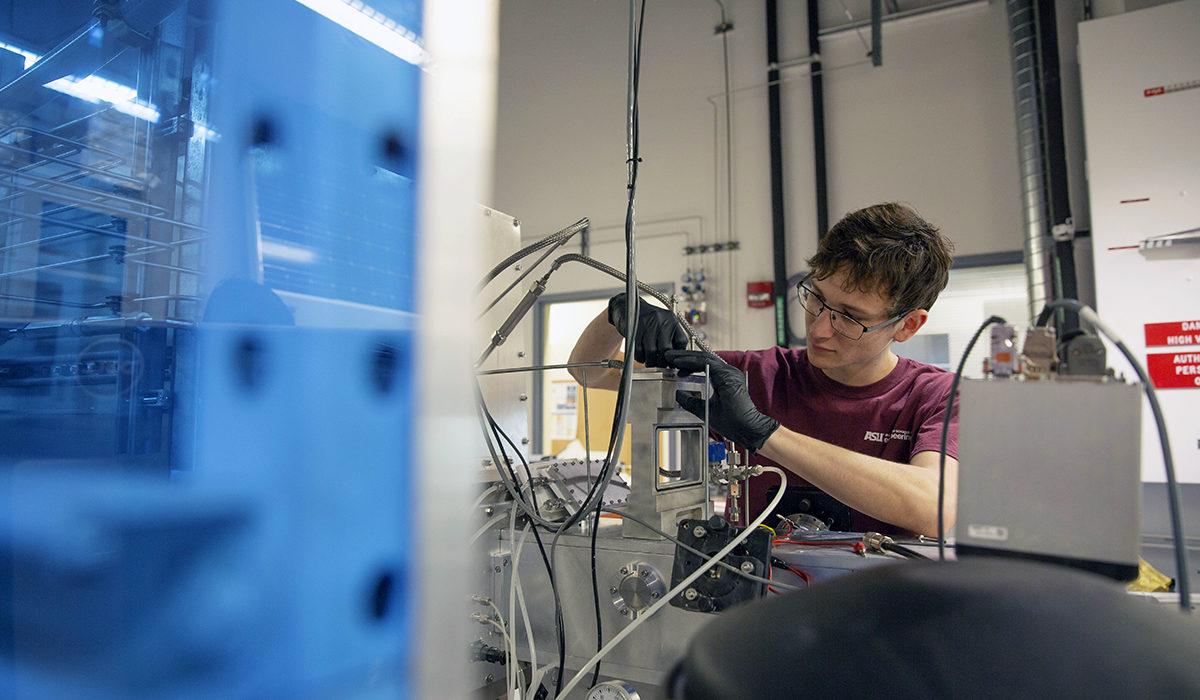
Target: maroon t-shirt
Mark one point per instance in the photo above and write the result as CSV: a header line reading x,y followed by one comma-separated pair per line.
x,y
893,419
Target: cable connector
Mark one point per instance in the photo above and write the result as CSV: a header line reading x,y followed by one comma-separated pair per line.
x,y
886,545
481,599
482,619
487,653
875,542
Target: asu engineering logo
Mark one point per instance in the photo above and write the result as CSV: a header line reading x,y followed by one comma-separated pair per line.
x,y
872,436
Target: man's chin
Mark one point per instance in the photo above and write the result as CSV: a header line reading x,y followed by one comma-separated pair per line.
x,y
820,356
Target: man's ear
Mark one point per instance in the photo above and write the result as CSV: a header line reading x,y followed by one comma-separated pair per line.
x,y
909,326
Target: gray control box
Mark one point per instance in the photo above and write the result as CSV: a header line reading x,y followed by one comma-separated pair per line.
x,y
1051,470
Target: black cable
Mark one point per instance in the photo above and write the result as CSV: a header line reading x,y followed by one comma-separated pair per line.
x,y
559,627
631,301
1183,585
903,551
499,432
510,481
587,452
512,484
596,597
485,422
595,494
1044,317
941,505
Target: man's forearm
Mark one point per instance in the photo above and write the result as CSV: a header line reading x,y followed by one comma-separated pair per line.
x,y
901,494
599,341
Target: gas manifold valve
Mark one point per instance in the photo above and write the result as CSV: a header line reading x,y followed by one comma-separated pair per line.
x,y
725,467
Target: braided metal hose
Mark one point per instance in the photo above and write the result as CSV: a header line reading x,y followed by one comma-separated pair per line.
x,y
667,301
533,248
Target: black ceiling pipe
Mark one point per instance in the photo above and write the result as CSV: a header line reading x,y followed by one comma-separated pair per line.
x,y
1051,90
818,119
778,222
876,33
1058,191
783,333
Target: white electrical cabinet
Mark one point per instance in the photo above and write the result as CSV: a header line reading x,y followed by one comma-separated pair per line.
x,y
1141,99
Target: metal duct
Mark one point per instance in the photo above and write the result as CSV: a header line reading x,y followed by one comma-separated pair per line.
x,y
1031,140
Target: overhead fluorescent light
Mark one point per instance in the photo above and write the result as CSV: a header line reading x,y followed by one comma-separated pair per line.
x,y
374,26
95,89
98,90
30,57
285,251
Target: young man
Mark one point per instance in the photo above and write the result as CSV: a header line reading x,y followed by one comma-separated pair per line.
x,y
844,414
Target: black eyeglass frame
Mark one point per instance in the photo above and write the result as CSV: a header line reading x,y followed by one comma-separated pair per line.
x,y
802,289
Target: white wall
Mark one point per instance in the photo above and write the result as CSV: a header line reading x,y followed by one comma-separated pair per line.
x,y
934,127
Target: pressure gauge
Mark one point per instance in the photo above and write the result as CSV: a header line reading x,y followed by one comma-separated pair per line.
x,y
613,690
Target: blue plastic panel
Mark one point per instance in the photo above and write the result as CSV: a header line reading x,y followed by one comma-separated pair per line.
x,y
206,363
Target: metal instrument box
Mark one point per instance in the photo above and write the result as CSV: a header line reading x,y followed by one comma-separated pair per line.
x,y
1051,470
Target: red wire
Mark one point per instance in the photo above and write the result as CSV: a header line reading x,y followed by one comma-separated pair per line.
x,y
803,576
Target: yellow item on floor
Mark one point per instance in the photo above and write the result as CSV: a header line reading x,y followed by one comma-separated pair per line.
x,y
1150,580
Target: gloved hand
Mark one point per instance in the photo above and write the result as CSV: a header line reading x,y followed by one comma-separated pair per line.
x,y
657,330
731,412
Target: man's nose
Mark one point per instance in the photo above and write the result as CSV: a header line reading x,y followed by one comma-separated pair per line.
x,y
821,325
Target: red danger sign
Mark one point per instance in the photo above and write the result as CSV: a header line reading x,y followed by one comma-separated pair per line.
x,y
1174,370
1174,333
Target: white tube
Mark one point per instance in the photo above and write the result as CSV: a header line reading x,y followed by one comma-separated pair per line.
x,y
513,581
1088,314
488,526
479,501
700,570
520,593
511,679
538,675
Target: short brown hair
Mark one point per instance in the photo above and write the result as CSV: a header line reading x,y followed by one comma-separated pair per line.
x,y
887,248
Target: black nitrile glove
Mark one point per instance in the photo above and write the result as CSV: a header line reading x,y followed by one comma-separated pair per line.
x,y
731,412
657,330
